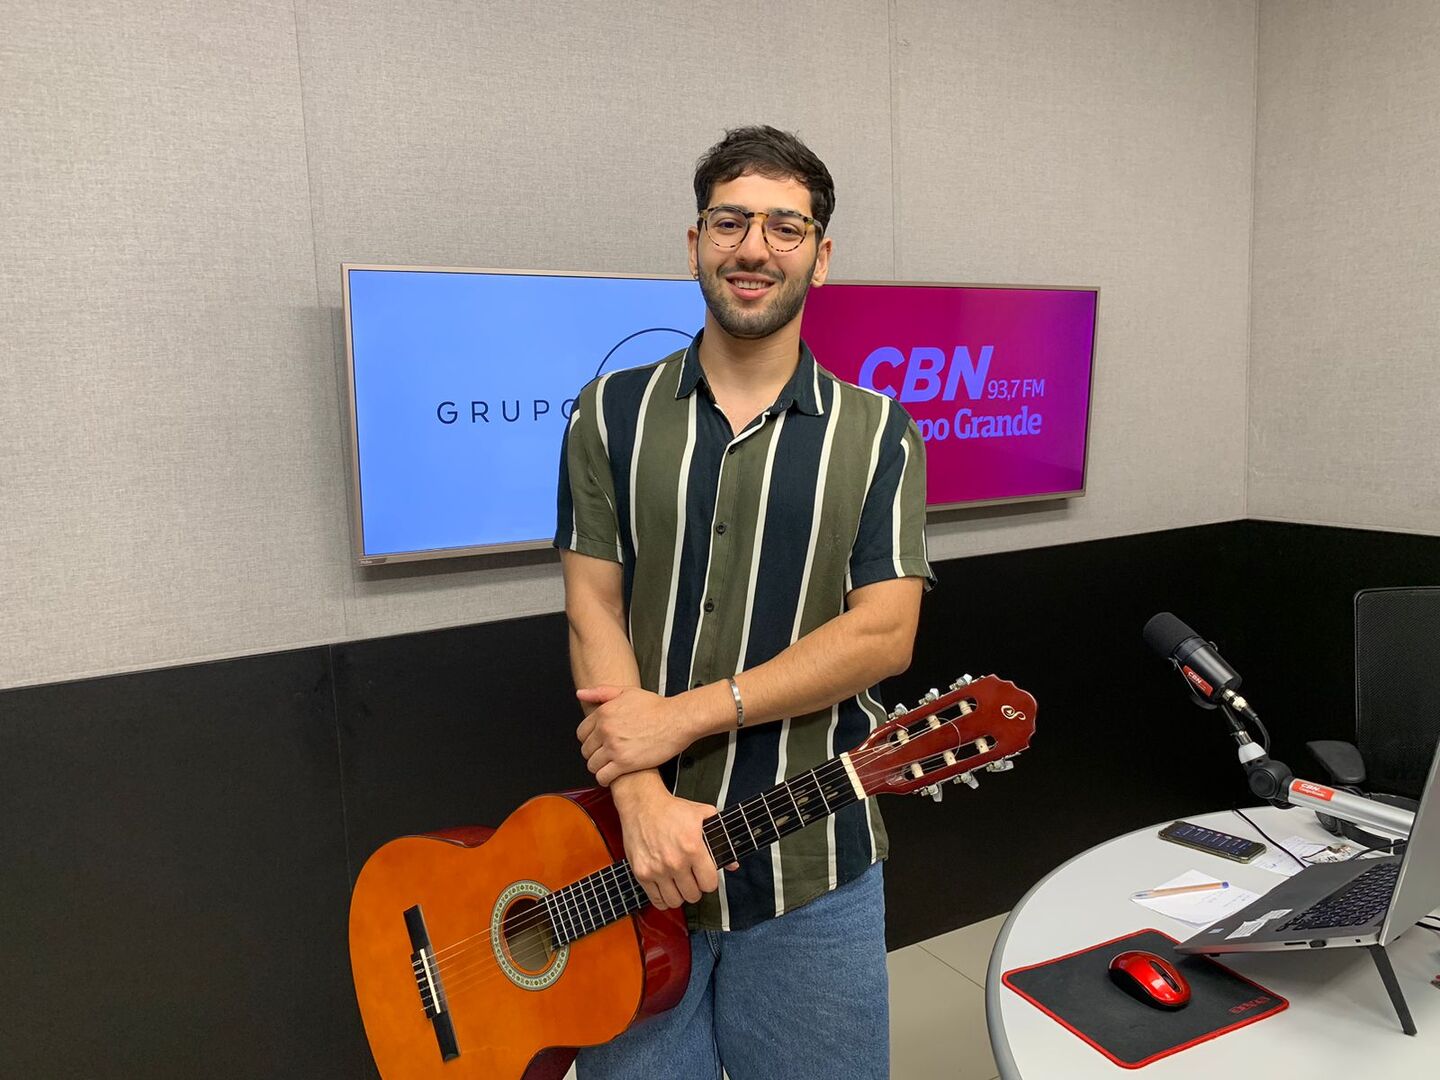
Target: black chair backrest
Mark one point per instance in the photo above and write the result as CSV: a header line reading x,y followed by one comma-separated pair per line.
x,y
1397,686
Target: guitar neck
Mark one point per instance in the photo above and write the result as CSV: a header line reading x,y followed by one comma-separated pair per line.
x,y
758,822
612,893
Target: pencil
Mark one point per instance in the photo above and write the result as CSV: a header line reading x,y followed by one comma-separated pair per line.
x,y
1176,890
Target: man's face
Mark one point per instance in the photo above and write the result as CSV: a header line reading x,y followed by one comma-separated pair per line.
x,y
751,290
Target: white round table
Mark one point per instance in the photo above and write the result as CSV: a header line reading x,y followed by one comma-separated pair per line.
x,y
1340,1021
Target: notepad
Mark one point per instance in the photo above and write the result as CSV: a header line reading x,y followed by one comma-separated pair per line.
x,y
1198,908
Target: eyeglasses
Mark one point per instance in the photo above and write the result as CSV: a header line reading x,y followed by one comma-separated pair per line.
x,y
784,230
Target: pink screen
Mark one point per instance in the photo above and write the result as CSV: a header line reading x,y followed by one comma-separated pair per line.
x,y
998,380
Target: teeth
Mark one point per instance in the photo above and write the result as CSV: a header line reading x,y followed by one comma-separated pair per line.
x,y
740,283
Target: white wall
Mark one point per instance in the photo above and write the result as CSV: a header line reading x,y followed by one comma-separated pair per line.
x,y
181,182
1345,362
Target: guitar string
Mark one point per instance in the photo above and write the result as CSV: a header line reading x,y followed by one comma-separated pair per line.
x,y
459,974
572,912
827,771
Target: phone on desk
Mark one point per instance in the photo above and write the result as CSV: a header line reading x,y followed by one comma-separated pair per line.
x,y
1226,845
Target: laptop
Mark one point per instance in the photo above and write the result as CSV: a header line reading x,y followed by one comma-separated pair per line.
x,y
1363,901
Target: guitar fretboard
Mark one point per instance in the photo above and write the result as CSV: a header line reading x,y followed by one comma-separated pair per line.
x,y
612,893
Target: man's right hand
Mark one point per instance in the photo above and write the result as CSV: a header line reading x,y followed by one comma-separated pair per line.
x,y
663,840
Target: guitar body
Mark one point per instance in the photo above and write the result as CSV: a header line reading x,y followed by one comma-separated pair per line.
x,y
516,1006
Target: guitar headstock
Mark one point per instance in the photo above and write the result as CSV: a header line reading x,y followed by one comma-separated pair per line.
x,y
980,724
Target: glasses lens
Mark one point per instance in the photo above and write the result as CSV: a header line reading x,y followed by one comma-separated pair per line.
x,y
726,227
785,231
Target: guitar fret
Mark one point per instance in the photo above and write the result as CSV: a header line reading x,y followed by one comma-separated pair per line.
x,y
591,914
609,898
728,838
744,820
799,814
820,790
568,911
766,805
714,854
572,911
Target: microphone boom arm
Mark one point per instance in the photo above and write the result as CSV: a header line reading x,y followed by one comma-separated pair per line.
x,y
1273,781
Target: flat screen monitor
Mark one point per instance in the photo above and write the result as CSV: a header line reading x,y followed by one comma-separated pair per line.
x,y
461,382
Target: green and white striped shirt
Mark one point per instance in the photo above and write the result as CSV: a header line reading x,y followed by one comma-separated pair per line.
x,y
734,546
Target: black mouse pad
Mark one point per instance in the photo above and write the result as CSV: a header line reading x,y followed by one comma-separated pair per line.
x,y
1076,991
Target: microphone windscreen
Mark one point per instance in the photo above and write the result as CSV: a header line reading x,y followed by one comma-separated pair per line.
x,y
1164,633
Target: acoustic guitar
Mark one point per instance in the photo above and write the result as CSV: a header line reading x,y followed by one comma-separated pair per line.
x,y
492,954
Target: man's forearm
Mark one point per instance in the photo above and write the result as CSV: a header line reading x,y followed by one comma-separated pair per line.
x,y
837,660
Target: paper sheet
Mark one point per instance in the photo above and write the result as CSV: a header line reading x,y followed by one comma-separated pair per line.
x,y
1198,908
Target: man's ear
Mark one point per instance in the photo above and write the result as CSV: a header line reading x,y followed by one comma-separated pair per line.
x,y
692,237
822,263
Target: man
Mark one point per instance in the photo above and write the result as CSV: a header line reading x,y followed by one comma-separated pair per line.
x,y
743,546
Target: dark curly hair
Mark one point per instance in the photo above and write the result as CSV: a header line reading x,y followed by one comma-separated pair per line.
x,y
779,155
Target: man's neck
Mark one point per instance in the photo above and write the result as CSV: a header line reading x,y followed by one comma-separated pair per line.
x,y
750,369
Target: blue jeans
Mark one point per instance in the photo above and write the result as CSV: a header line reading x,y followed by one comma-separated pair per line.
x,y
804,997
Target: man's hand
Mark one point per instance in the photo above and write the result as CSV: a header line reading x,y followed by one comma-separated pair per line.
x,y
664,842
631,730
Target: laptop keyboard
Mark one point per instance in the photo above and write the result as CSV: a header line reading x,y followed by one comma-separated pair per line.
x,y
1360,903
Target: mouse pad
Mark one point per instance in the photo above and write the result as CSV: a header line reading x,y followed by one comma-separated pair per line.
x,y
1076,991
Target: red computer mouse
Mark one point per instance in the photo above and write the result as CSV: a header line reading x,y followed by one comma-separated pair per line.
x,y
1151,979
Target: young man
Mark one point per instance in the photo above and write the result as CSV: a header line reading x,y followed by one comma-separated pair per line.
x,y
743,546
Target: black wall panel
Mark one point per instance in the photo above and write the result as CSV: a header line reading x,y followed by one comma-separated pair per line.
x,y
174,887
179,844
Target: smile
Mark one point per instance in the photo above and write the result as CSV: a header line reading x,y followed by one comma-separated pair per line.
x,y
749,288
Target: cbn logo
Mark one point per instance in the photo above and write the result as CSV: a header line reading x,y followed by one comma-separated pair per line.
x,y
927,372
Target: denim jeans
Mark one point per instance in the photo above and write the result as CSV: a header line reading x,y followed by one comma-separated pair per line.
x,y
801,997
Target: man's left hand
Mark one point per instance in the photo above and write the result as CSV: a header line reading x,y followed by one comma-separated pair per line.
x,y
632,729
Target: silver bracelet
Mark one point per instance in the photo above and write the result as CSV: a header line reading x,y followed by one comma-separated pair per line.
x,y
739,705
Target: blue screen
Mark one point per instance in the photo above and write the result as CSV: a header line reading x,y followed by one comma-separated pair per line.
x,y
463,386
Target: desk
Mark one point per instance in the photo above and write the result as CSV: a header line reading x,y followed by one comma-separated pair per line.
x,y
1340,1021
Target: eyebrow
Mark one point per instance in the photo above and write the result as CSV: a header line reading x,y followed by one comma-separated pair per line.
x,y
771,210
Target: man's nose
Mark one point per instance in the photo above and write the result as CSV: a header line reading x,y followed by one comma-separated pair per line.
x,y
753,248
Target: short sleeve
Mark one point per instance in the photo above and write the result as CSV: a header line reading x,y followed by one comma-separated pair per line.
x,y
585,497
890,542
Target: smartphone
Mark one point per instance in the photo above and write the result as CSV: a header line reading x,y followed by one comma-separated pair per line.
x,y
1226,845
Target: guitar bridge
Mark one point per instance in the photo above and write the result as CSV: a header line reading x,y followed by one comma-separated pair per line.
x,y
427,982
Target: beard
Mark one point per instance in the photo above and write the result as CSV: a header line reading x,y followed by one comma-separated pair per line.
x,y
783,302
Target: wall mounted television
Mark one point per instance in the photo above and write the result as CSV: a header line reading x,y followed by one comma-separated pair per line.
x,y
460,382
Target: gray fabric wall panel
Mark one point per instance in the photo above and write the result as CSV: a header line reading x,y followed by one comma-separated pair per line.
x,y
172,463
1099,144
1345,384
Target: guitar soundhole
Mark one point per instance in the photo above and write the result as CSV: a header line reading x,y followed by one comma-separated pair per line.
x,y
527,936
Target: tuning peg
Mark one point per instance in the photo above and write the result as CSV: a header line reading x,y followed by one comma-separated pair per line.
x,y
968,779
898,711
935,791
963,680
1003,765
931,695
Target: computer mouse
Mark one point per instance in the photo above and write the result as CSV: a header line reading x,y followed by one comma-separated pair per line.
x,y
1150,978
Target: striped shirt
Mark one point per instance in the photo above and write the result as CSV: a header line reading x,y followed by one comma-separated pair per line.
x,y
734,546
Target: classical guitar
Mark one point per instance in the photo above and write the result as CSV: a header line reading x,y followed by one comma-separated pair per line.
x,y
493,953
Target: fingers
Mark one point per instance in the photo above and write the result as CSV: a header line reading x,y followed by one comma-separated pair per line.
x,y
670,894
598,695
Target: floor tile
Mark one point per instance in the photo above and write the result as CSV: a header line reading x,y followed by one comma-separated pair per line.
x,y
937,1021
967,950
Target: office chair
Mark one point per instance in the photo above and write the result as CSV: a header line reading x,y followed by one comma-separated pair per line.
x,y
1397,703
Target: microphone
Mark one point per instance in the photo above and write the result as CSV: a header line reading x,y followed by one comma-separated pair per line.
x,y
1210,677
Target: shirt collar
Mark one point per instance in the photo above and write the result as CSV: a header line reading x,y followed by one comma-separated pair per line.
x,y
802,391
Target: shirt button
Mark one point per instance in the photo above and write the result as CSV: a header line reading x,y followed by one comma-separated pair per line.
x,y
732,449
720,528
709,605
686,761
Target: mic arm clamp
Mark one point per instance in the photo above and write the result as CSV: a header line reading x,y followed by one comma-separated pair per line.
x,y
1274,782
